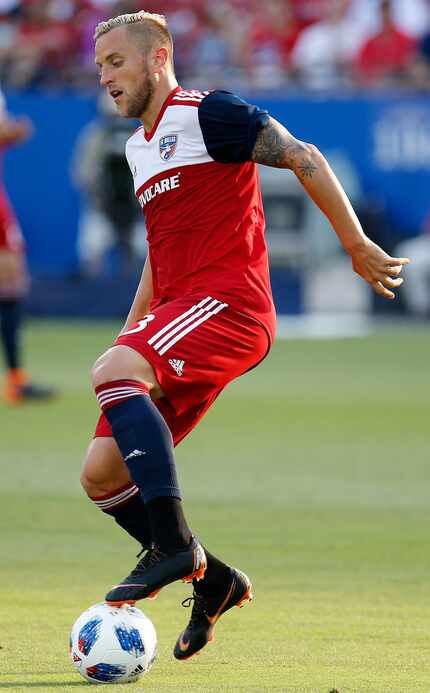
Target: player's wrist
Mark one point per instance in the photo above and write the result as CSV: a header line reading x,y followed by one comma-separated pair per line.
x,y
355,243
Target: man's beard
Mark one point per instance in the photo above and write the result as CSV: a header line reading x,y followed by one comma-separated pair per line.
x,y
140,99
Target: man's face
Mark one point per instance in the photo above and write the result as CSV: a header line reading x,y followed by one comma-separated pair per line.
x,y
124,72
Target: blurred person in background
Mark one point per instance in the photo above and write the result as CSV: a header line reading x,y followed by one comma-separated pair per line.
x,y
14,281
267,46
110,217
213,51
325,51
309,11
46,43
419,70
187,19
385,57
8,32
410,16
424,47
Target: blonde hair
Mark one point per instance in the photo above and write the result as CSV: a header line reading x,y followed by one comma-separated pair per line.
x,y
148,29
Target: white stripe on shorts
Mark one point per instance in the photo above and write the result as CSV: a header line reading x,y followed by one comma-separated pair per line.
x,y
206,309
191,327
174,322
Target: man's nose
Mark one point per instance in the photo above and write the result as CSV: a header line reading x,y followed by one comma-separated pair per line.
x,y
105,77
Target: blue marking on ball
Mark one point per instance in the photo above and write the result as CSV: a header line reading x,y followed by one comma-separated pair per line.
x,y
106,673
88,635
130,640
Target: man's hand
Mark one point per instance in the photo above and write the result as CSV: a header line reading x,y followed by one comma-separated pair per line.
x,y
377,268
11,268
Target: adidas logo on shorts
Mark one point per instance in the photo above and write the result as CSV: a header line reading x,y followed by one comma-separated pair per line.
x,y
177,365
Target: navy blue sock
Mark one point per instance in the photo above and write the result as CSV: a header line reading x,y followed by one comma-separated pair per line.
x,y
10,318
143,437
146,445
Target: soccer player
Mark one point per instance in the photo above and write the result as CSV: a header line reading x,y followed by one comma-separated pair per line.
x,y
13,279
203,312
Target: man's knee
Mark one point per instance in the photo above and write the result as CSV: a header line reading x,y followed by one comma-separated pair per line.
x,y
122,363
88,483
103,469
93,482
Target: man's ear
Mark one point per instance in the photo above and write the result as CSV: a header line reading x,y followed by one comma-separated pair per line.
x,y
160,58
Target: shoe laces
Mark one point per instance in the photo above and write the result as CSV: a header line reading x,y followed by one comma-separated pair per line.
x,y
200,606
151,556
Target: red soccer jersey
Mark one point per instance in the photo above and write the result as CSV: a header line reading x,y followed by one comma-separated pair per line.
x,y
201,198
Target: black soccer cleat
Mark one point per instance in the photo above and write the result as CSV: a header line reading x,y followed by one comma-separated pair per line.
x,y
206,612
17,393
37,393
157,569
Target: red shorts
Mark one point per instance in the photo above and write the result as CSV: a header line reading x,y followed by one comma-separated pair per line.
x,y
196,346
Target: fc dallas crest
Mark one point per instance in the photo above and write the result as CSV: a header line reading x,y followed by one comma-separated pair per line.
x,y
168,145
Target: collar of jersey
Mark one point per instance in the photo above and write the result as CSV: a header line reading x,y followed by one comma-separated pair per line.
x,y
149,135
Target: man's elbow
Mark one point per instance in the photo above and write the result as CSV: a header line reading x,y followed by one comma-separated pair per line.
x,y
313,152
308,160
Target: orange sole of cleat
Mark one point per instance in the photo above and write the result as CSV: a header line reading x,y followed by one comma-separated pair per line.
x,y
185,659
247,598
154,594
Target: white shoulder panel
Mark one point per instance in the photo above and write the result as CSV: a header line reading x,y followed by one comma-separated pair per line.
x,y
176,142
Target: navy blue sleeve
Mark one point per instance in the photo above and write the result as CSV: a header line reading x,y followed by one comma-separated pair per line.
x,y
230,126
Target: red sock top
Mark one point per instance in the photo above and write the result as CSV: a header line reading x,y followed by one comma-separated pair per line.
x,y
118,391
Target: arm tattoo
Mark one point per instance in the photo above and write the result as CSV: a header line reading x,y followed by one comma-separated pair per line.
x,y
276,147
306,169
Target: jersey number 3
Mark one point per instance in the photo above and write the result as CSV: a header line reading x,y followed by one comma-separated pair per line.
x,y
141,324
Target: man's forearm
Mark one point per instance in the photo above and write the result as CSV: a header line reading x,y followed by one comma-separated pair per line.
x,y
277,147
327,193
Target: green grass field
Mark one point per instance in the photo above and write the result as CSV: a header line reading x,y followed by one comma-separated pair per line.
x,y
310,473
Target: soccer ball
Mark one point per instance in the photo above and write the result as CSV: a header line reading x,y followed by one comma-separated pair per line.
x,y
110,644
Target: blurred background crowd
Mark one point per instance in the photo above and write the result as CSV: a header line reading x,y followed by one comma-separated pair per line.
x,y
316,44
